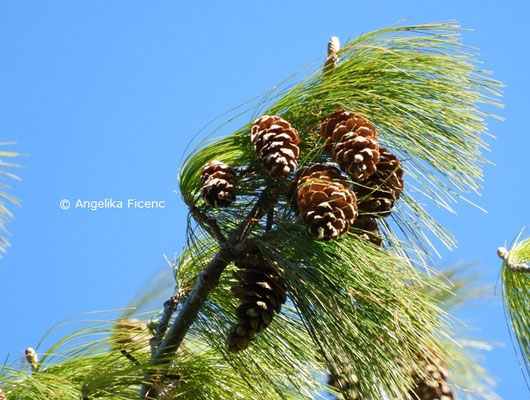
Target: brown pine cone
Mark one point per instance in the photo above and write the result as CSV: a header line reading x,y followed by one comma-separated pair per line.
x,y
276,143
434,386
218,184
357,148
366,228
353,143
261,292
325,202
2,395
382,189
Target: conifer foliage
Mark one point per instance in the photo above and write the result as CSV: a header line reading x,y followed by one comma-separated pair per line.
x,y
516,291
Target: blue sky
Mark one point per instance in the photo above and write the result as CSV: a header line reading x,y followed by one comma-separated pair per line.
x,y
104,95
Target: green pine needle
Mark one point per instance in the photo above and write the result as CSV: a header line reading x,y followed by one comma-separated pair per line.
x,y
5,197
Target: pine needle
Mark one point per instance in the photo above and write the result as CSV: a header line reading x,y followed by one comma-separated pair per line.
x,y
5,197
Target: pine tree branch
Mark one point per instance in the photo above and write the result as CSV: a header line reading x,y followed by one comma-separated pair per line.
x,y
270,220
160,328
206,281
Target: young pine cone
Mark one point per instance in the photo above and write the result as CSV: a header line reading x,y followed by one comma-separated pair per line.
x,y
381,190
276,143
130,334
261,292
325,202
366,228
434,386
31,357
333,58
218,184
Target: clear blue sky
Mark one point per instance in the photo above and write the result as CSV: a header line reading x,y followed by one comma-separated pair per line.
x,y
104,95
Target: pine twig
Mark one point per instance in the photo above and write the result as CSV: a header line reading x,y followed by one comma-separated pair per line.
x,y
129,357
160,328
209,221
206,281
270,220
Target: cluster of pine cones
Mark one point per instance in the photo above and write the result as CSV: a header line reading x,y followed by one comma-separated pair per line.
x,y
433,385
366,179
363,178
360,184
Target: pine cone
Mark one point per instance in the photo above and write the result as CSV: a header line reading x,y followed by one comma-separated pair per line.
x,y
357,148
218,184
348,387
353,143
333,58
435,386
276,143
325,202
261,292
131,334
2,395
366,228
31,357
381,190
333,45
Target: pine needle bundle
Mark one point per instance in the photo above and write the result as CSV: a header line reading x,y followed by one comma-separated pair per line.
x,y
516,294
5,197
